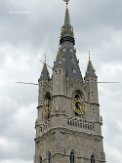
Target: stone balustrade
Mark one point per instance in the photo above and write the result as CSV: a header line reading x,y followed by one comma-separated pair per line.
x,y
73,123
80,123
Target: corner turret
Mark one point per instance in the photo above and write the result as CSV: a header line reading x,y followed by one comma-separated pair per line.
x,y
45,73
44,79
91,81
90,69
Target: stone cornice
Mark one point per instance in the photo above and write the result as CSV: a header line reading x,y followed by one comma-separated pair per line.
x,y
64,130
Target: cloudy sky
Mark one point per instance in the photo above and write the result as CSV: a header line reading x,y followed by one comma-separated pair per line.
x,y
30,28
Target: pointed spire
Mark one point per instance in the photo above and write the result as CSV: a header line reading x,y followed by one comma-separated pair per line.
x,y
45,73
90,69
66,57
67,18
89,55
67,30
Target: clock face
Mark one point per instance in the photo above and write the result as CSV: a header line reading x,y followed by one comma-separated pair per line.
x,y
79,107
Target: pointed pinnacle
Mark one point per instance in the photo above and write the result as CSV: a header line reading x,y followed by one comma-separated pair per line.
x,y
67,18
90,69
45,59
89,55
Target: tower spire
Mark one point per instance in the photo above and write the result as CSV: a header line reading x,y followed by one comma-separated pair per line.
x,y
45,73
66,57
67,30
90,69
67,16
89,55
45,58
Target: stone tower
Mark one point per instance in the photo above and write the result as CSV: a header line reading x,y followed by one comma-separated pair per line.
x,y
68,125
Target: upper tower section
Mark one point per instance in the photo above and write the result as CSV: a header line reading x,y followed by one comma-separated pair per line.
x,y
67,30
66,57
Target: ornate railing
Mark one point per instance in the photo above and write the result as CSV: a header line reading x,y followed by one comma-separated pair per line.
x,y
73,123
80,123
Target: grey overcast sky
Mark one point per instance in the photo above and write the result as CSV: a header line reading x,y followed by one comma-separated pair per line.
x,y
29,28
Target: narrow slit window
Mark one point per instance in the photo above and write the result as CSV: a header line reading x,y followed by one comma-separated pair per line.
x,y
72,157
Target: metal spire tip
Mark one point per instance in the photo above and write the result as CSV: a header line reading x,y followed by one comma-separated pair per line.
x,y
45,59
67,2
89,55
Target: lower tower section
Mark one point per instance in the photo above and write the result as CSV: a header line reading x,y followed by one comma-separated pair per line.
x,y
73,142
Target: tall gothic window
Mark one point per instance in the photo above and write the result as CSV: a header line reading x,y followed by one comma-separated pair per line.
x,y
72,157
40,159
49,157
92,158
48,100
47,106
77,103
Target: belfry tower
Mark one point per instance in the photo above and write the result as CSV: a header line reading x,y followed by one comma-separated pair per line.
x,y
68,125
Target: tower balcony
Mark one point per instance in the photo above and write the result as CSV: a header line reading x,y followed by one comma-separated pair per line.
x,y
72,124
80,123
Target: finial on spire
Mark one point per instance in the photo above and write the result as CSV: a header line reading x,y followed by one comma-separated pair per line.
x,y
45,60
67,2
44,73
89,55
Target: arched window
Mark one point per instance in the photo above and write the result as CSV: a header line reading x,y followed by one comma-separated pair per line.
x,y
40,159
47,105
47,99
49,157
92,158
72,157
